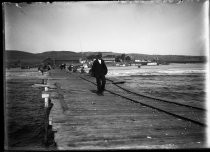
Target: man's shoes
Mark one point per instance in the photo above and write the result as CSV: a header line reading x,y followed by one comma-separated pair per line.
x,y
100,93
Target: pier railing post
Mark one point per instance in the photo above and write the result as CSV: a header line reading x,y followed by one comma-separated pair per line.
x,y
46,104
43,81
46,99
47,107
45,88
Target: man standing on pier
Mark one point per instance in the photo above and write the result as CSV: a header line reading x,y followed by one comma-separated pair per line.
x,y
99,71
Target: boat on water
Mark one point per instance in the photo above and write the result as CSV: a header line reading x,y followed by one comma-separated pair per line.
x,y
122,65
165,63
152,63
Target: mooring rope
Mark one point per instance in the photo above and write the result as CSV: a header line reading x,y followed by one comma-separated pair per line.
x,y
169,113
157,98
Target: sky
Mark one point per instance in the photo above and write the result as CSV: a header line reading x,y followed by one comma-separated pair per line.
x,y
159,27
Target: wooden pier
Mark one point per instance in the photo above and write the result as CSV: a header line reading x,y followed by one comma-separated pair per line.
x,y
83,120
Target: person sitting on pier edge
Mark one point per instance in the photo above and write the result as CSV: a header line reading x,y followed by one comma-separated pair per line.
x,y
99,71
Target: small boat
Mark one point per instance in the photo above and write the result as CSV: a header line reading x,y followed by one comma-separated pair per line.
x,y
152,63
122,65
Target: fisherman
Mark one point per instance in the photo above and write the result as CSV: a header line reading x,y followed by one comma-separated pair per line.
x,y
99,71
70,67
49,67
75,69
41,69
82,70
63,66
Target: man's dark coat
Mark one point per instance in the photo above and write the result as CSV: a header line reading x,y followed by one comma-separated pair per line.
x,y
99,69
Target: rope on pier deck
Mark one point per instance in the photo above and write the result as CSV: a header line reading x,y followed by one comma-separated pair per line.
x,y
169,113
157,98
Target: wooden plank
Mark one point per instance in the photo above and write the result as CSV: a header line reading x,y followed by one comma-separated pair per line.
x,y
44,85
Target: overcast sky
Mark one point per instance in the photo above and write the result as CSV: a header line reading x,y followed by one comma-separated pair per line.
x,y
148,27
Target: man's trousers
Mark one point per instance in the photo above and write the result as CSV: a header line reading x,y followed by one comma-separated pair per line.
x,y
101,81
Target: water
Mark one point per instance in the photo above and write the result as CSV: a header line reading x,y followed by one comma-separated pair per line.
x,y
183,83
24,110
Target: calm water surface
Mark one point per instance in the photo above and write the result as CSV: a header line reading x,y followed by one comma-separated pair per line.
x,y
174,82
24,112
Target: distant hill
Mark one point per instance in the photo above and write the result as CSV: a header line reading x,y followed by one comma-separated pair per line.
x,y
58,54
21,56
103,53
14,57
14,54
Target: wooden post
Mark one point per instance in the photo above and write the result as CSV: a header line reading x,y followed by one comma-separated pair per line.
x,y
46,128
46,104
43,81
46,98
50,121
45,88
47,108
50,105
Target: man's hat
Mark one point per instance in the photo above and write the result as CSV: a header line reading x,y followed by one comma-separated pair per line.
x,y
99,54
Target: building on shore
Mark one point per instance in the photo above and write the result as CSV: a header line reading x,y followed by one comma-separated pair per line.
x,y
110,61
140,62
58,61
48,61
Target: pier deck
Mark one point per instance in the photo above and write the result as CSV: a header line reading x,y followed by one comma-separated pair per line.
x,y
84,120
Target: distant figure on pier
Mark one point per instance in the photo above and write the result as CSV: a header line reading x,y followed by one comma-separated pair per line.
x,y
99,71
44,68
82,70
75,69
49,67
62,66
41,69
70,67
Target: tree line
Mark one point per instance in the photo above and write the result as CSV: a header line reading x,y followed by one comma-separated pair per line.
x,y
118,58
